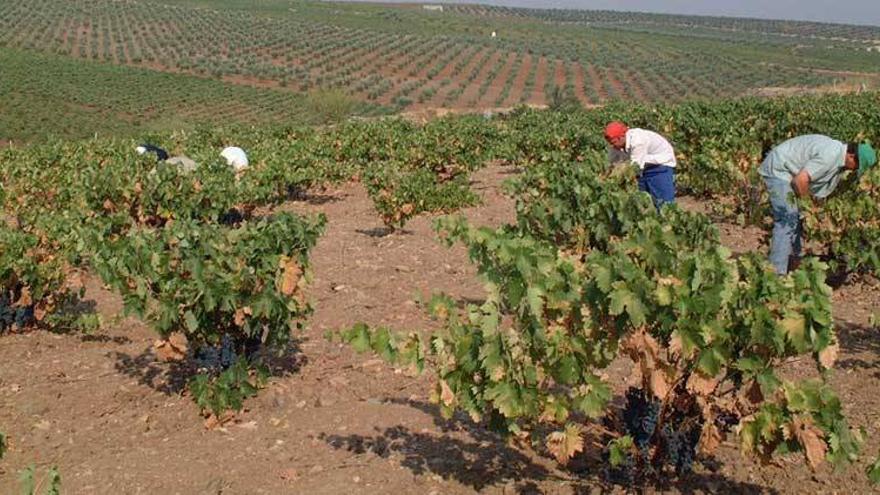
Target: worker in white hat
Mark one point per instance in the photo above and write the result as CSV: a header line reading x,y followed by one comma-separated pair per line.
x,y
236,158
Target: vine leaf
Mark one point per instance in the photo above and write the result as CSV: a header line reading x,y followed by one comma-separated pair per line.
x,y
795,327
701,384
171,349
656,373
710,438
291,273
446,394
828,355
565,444
812,439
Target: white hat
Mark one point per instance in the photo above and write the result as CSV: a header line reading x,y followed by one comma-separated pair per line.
x,y
235,157
141,150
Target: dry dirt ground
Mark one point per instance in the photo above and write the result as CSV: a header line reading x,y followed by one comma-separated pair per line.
x,y
113,419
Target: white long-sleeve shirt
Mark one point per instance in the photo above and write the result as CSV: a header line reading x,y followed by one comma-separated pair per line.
x,y
647,147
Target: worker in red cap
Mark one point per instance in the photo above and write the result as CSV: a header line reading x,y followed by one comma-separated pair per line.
x,y
654,156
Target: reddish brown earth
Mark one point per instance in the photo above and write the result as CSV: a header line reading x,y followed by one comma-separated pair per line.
x,y
633,83
559,74
472,89
541,74
516,90
473,58
579,81
619,89
497,84
596,82
113,419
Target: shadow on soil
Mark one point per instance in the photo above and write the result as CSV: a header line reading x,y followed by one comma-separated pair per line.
x,y
481,462
105,339
383,232
170,378
487,459
858,339
315,198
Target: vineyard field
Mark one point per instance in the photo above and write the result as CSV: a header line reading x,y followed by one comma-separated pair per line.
x,y
45,96
425,276
407,58
531,322
344,421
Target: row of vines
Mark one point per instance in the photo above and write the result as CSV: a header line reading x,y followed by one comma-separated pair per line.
x,y
589,271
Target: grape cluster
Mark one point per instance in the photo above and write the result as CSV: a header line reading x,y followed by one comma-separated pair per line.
x,y
231,217
217,358
665,437
640,417
12,316
725,421
680,439
622,474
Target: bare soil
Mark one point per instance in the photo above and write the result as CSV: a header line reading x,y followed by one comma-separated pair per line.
x,y
579,85
114,419
596,82
472,56
519,82
619,88
471,90
497,84
538,96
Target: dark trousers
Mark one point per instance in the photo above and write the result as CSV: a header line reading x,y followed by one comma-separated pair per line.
x,y
659,182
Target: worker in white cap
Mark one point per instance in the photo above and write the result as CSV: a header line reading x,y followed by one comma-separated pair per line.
x,y
235,157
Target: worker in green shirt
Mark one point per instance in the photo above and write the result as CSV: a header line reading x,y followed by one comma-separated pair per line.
x,y
805,165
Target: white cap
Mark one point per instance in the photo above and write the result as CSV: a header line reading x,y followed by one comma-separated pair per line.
x,y
141,150
235,157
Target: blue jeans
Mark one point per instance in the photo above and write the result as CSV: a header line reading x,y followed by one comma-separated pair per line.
x,y
787,228
659,182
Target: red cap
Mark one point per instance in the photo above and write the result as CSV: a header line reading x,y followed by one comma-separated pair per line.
x,y
615,130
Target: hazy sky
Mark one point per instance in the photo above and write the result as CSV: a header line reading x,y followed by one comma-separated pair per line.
x,y
846,11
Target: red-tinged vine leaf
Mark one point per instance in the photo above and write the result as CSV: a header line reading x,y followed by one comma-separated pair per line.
x,y
657,375
407,209
753,393
640,342
108,205
828,355
675,346
291,273
710,437
670,281
812,439
565,444
74,280
238,318
25,299
447,397
213,421
660,383
171,349
701,384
